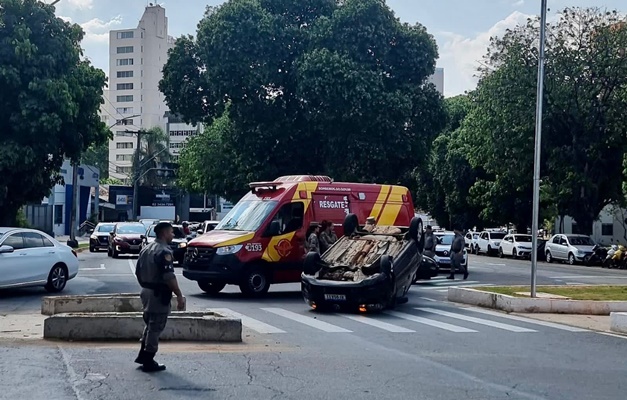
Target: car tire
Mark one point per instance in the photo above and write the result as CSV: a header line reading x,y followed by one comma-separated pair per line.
x,y
489,252
351,223
385,264
415,229
92,249
255,283
211,287
514,253
109,252
115,254
311,264
549,257
57,278
571,259
501,255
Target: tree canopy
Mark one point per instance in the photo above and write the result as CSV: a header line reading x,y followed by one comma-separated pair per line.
x,y
314,86
50,99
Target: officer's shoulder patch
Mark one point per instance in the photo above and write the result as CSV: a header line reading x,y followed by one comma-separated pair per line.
x,y
168,257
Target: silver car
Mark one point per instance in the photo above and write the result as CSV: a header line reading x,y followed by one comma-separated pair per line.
x,y
571,248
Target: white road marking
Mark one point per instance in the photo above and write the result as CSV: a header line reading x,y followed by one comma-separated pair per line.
x,y
379,324
92,269
479,321
426,298
74,379
529,320
131,265
314,323
500,265
576,284
452,282
612,335
588,277
430,322
255,325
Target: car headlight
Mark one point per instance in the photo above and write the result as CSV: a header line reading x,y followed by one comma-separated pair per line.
x,y
580,253
94,237
182,245
229,249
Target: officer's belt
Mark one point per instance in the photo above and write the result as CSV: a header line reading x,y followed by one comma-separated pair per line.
x,y
153,286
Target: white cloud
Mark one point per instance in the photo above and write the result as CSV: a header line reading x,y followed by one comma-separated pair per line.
x,y
80,4
66,19
460,55
97,30
519,3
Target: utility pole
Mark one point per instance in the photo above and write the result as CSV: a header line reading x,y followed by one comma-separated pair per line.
x,y
72,242
136,177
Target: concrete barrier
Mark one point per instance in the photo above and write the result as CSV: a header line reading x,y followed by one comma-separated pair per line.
x,y
618,322
119,302
182,325
533,305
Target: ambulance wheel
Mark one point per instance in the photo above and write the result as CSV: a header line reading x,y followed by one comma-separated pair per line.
x,y
255,283
311,264
210,287
351,223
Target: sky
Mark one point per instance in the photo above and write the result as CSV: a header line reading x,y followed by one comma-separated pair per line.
x,y
462,28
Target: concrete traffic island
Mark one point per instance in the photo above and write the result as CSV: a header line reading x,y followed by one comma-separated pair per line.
x,y
618,322
120,317
119,302
182,325
541,304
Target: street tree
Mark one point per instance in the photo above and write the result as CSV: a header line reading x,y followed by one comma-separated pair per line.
x,y
583,124
153,152
50,99
314,86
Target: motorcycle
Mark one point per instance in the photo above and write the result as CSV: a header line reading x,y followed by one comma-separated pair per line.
x,y
598,256
616,257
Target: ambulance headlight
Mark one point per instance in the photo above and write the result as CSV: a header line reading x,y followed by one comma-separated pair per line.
x,y
229,249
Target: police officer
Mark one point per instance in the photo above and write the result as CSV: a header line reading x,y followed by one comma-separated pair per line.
x,y
155,274
430,242
457,254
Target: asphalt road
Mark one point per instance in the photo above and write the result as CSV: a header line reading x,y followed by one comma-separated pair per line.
x,y
425,349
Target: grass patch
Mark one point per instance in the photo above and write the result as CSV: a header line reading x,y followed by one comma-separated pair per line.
x,y
605,293
83,245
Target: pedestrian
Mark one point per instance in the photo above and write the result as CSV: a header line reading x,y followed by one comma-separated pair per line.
x,y
457,254
430,242
155,274
327,235
313,242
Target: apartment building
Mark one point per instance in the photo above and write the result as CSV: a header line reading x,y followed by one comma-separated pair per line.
x,y
133,100
438,79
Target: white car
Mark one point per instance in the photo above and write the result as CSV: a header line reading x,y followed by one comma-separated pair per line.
x,y
489,242
443,250
515,245
571,248
471,240
32,258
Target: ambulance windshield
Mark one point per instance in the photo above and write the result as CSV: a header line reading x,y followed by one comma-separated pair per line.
x,y
247,215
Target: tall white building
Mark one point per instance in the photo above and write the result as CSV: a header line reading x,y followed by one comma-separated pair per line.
x,y
438,79
133,100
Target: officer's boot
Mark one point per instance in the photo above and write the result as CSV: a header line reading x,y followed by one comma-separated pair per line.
x,y
150,365
142,356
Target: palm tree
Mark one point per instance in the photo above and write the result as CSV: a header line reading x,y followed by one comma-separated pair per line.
x,y
153,151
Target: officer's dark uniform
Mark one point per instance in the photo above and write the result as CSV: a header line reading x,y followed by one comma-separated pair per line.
x,y
457,255
154,269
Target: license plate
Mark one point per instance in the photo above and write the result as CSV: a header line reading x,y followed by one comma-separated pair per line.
x,y
338,297
133,247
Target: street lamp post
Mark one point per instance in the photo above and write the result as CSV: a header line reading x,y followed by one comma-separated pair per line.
x,y
537,153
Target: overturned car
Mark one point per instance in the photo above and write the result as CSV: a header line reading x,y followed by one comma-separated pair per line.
x,y
369,269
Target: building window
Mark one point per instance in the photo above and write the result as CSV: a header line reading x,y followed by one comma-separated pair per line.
x,y
125,74
124,110
125,49
58,214
125,99
123,157
177,145
104,118
124,61
182,133
126,134
607,229
124,122
124,145
126,35
124,86
123,170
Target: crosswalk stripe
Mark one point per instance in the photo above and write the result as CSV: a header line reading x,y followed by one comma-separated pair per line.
x,y
479,321
314,323
455,283
529,320
379,324
255,325
430,322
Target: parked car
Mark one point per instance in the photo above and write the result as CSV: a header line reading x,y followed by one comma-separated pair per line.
x,y
32,258
516,245
207,226
178,244
471,240
99,238
489,242
571,248
443,251
428,269
365,271
126,238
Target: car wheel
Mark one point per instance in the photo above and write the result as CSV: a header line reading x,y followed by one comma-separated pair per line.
x,y
571,259
549,257
57,278
514,253
210,287
92,249
501,255
351,223
385,264
115,254
415,229
475,250
311,264
489,253
255,282
109,252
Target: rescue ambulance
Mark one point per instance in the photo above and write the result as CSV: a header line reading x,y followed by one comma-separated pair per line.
x,y
261,241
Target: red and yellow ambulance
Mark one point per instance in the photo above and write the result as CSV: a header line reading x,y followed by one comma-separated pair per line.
x,y
261,241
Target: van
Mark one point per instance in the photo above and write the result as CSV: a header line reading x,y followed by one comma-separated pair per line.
x,y
261,241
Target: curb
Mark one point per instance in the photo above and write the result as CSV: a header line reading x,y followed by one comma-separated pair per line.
x,y
534,305
122,302
618,322
183,326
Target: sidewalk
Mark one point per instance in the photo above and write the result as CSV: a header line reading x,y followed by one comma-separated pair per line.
x,y
599,323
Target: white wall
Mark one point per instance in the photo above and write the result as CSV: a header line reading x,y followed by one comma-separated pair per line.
x,y
610,215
